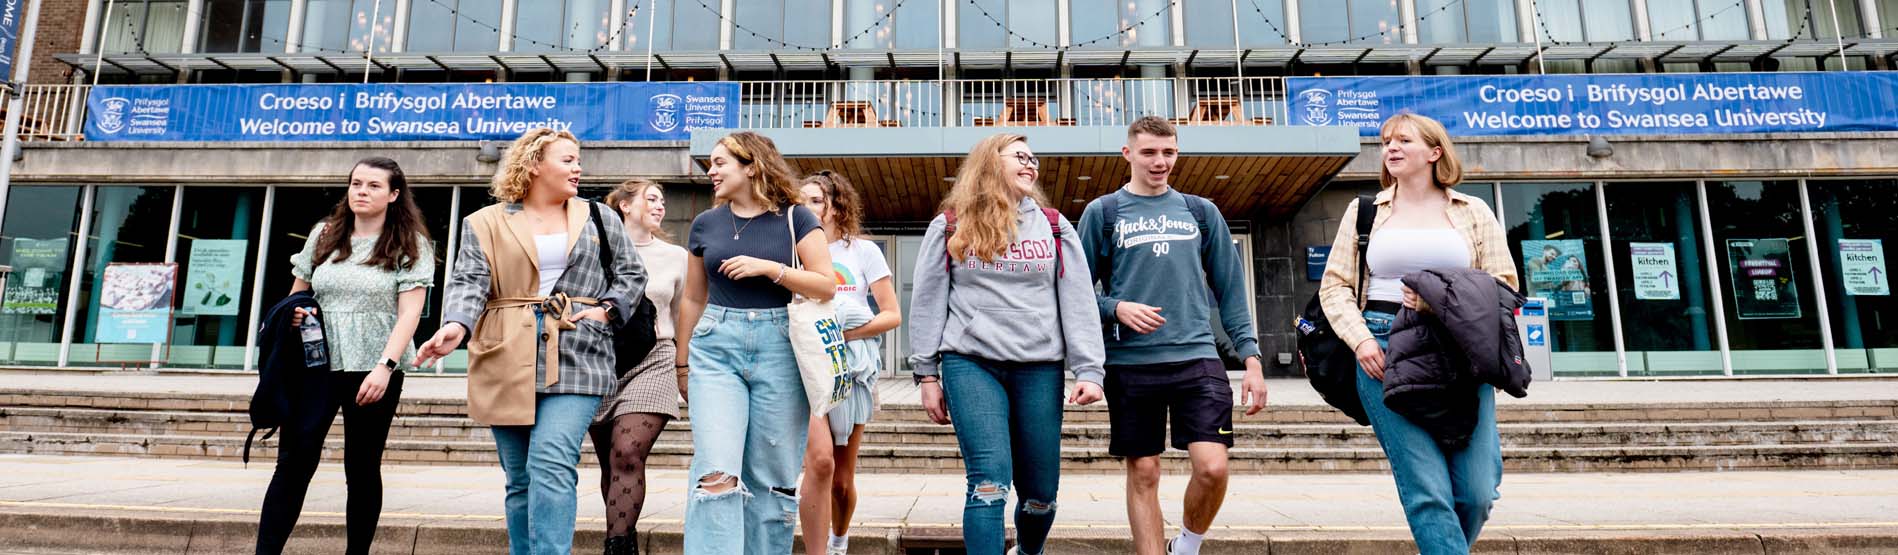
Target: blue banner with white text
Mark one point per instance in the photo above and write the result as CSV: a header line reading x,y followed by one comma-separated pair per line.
x,y
11,15
1649,104
408,112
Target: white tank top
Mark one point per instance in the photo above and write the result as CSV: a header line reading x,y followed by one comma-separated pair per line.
x,y
553,260
1395,253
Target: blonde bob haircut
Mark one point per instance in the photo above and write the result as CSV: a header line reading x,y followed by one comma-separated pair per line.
x,y
634,190
984,199
517,166
775,185
1446,172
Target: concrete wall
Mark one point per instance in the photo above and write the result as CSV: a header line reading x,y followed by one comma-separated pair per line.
x,y
423,162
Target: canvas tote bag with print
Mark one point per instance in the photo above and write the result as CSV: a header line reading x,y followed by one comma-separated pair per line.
x,y
818,342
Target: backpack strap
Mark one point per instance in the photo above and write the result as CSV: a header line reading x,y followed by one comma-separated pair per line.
x,y
1054,229
1365,219
606,247
948,230
1199,205
1104,260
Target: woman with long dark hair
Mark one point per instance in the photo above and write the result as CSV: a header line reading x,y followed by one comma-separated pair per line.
x,y
369,264
983,351
530,294
629,422
830,455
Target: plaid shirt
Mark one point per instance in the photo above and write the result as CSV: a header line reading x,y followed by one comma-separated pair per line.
x,y
1489,251
586,359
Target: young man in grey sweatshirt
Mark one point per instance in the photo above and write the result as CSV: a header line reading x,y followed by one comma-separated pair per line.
x,y
1163,272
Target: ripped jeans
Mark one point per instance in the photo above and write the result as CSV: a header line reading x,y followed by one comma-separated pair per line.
x,y
749,418
1007,417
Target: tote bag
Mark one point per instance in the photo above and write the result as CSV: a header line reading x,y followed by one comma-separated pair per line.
x,y
818,342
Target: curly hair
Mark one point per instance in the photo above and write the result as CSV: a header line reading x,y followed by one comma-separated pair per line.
x,y
842,205
984,199
775,184
632,191
516,171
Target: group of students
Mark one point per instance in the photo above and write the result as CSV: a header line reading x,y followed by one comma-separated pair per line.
x,y
1135,289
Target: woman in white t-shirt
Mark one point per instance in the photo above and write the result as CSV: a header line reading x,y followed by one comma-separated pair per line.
x,y
830,457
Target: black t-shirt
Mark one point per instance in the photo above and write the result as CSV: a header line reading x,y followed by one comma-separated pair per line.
x,y
764,237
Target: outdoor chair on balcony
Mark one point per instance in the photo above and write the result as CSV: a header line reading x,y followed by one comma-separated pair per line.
x,y
982,122
1025,112
1217,110
851,113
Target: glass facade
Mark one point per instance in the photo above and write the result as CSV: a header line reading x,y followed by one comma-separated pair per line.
x,y
475,26
1555,236
1350,21
1760,254
768,24
217,253
348,25
1857,224
37,239
129,225
1787,19
150,26
1688,20
1002,24
549,25
1587,20
244,25
1662,286
1122,23
1261,23
1454,21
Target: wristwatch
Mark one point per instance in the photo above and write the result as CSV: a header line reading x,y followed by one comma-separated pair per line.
x,y
392,365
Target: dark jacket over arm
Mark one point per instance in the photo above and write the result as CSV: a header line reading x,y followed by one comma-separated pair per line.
x,y
1438,359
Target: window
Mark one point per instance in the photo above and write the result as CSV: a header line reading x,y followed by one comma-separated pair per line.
x,y
244,25
1686,20
1766,277
1355,21
1123,23
1787,19
1555,235
999,24
347,25
1261,23
454,26
37,243
217,252
1586,20
1660,275
155,26
769,24
1458,21
566,25
681,25
1858,227
129,224
918,23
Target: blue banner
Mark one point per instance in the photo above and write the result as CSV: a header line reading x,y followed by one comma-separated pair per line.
x,y
1654,104
408,112
12,12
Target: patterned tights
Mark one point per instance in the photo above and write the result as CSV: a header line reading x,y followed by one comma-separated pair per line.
x,y
622,449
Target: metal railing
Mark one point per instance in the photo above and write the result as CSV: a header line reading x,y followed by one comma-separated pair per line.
x,y
57,112
1011,102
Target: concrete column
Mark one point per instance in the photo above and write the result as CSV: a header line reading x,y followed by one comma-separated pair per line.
x,y
837,22
1644,27
1292,25
399,36
89,37
1407,13
507,24
1526,21
1063,32
1178,19
1868,16
725,24
948,18
1756,13
294,35
194,25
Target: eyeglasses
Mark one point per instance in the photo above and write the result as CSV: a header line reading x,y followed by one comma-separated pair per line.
x,y
1027,159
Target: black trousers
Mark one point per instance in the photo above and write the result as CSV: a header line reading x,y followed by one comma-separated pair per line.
x,y
300,448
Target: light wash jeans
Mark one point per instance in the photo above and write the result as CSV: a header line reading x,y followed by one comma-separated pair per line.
x,y
1008,424
749,421
1446,495
541,462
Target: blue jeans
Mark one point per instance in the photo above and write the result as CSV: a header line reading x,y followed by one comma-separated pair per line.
x,y
749,421
541,465
1008,424
1446,495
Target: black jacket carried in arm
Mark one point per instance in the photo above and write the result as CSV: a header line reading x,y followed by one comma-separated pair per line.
x,y
282,377
1438,359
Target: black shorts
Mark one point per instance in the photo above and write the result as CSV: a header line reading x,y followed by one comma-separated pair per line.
x,y
1139,398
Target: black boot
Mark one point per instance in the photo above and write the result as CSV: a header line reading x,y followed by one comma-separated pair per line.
x,y
622,545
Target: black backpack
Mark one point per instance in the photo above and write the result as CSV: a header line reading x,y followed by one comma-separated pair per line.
x,y
1331,365
634,339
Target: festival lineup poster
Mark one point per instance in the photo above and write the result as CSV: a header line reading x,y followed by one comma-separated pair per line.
x,y
215,277
38,266
1558,271
135,303
1763,284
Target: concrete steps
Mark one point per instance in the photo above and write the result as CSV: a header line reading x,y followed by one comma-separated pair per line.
x,y
1536,438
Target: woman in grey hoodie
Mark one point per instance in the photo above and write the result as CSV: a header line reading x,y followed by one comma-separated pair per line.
x,y
994,269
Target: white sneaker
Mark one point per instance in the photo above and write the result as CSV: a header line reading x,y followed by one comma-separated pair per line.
x,y
1170,542
835,550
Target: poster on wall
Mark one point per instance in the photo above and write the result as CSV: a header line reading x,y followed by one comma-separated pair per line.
x,y
1655,275
215,279
1862,264
135,303
1558,271
1763,286
38,268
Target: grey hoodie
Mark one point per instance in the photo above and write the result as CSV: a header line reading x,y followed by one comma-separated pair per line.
x,y
1005,310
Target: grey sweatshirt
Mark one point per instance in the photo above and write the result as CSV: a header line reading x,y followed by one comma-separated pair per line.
x,y
1002,310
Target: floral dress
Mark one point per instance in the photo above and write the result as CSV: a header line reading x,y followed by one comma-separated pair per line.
x,y
358,301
